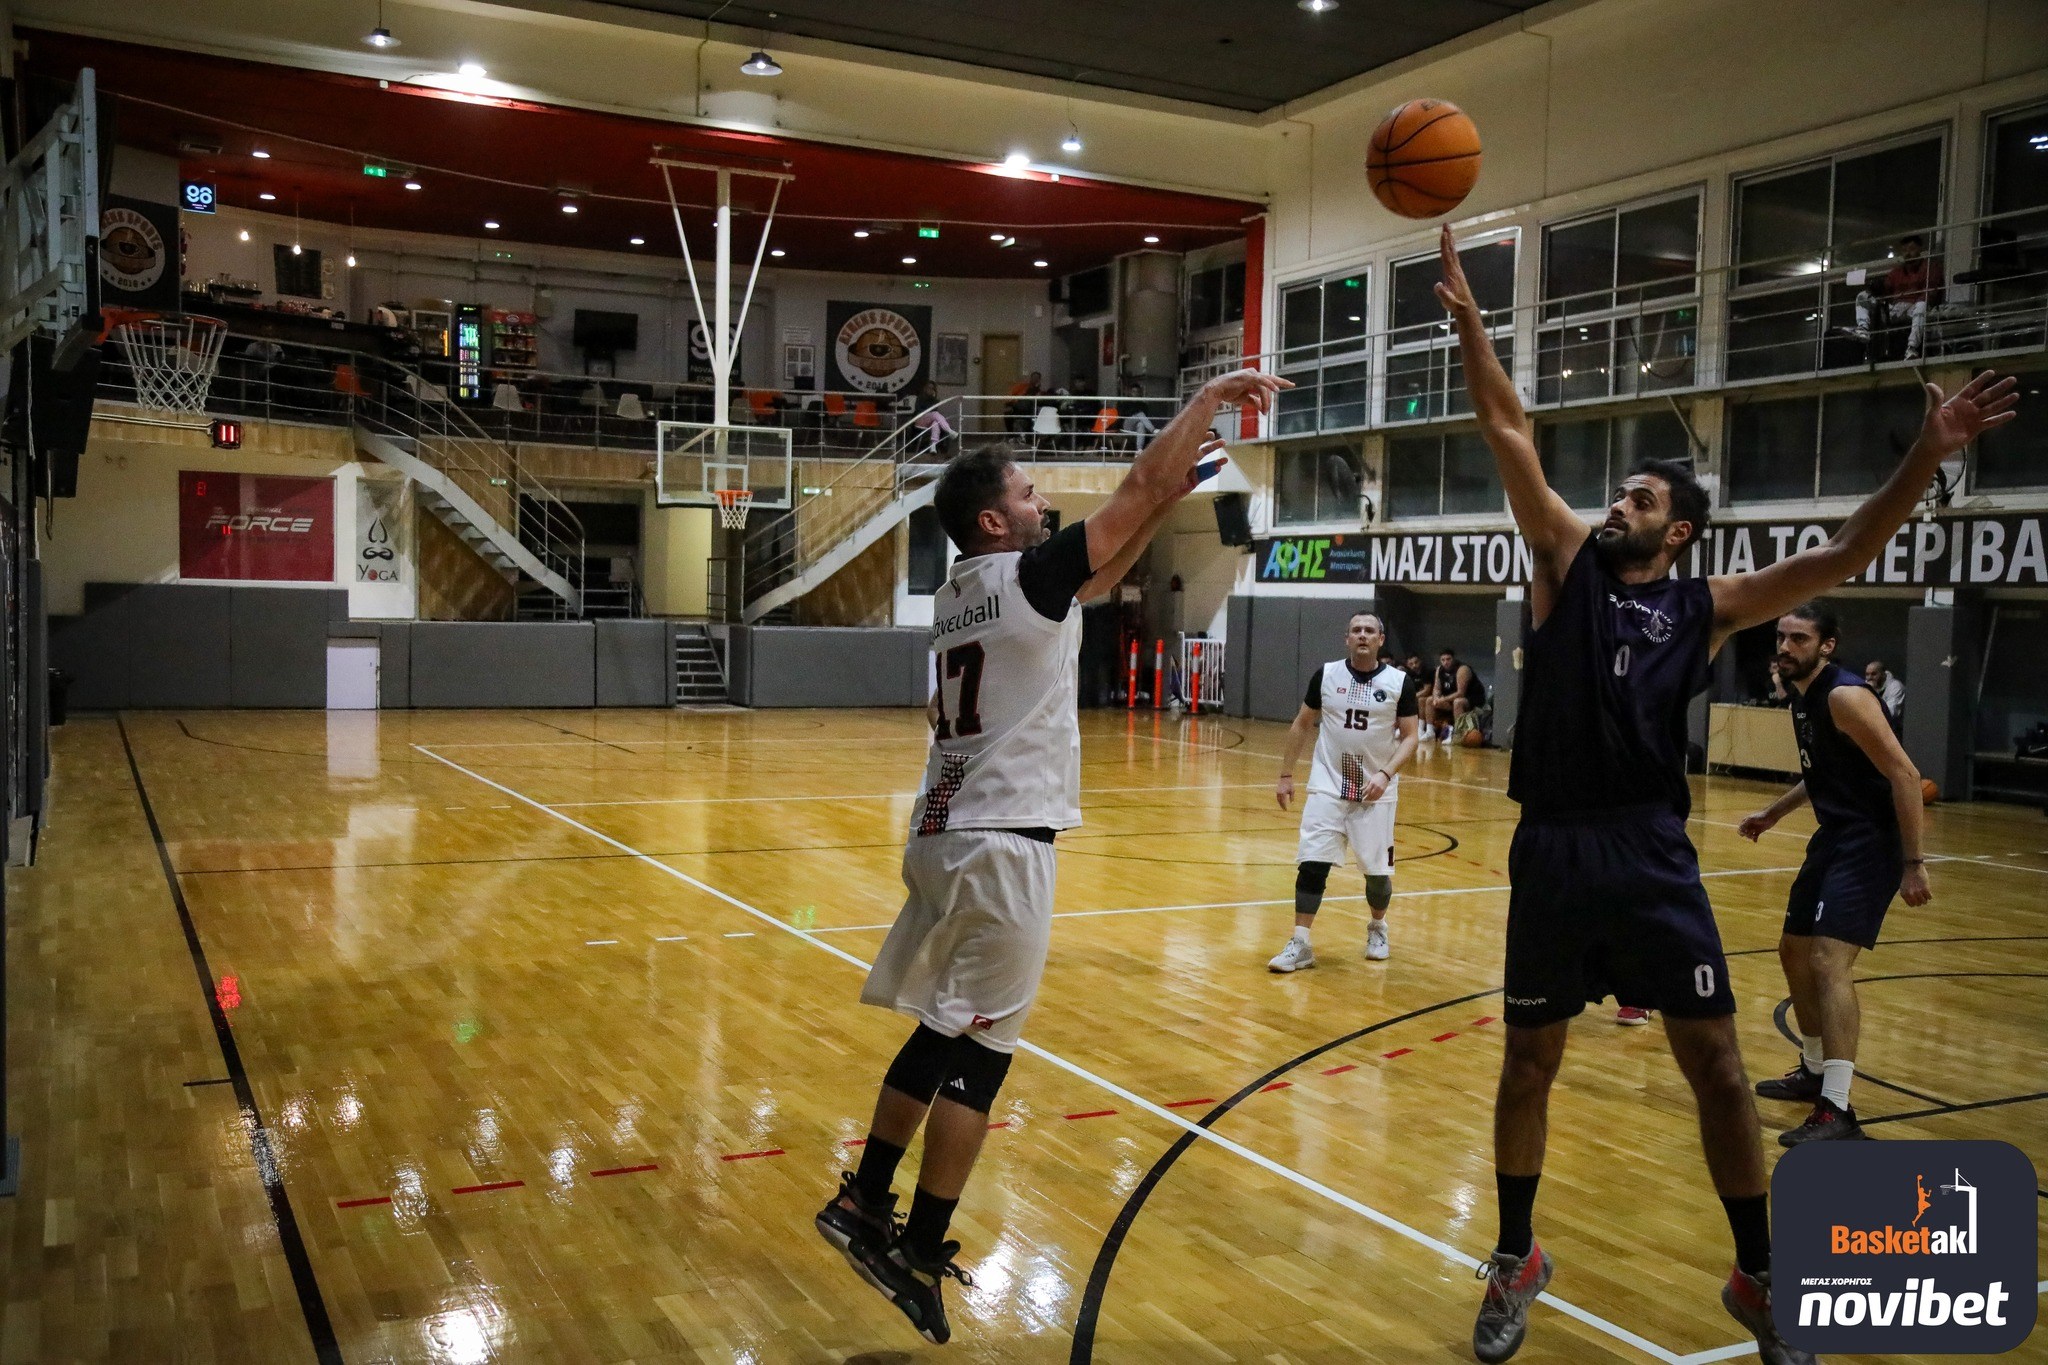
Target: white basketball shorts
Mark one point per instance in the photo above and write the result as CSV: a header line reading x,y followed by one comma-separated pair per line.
x,y
968,949
1328,824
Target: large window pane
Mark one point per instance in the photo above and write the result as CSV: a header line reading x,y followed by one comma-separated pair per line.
x,y
1471,480
1863,436
1233,292
2012,254
1489,268
1414,475
1414,385
1301,323
2016,454
1295,412
1883,195
1491,271
1575,461
1656,351
1578,259
1571,365
1781,225
1649,436
1658,250
1294,484
1415,302
1338,474
1344,396
1771,450
1456,398
1773,334
1343,314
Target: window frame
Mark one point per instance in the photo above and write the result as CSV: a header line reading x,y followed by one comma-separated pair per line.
x,y
1321,446
1439,435
1308,365
1615,312
1440,343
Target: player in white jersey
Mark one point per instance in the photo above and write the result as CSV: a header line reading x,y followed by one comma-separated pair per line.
x,y
1364,717
1003,778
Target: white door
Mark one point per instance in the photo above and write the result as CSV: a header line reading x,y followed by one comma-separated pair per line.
x,y
352,675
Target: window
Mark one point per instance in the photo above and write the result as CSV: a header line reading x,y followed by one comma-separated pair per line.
x,y
1425,378
1585,460
1323,350
1621,303
1836,445
2016,454
1442,475
1316,481
298,275
1215,297
1799,232
2011,269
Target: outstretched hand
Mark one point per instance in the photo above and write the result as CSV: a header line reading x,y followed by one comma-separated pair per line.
x,y
1985,402
1212,449
1247,388
1454,291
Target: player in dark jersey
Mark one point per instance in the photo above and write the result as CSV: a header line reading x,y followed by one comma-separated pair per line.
x,y
1606,896
1866,799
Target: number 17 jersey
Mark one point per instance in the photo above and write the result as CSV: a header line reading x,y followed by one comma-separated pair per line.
x,y
1006,748
1357,736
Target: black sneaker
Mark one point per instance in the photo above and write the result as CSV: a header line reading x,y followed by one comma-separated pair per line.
x,y
858,1227
912,1283
1798,1085
1827,1123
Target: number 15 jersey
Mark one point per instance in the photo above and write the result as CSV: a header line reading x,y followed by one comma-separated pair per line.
x,y
1357,736
1006,749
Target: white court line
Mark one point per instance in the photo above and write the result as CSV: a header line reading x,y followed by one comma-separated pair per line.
x,y
599,942
869,796
1167,1116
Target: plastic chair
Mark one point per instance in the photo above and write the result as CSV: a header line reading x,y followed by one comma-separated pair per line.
x,y
865,417
505,398
762,402
630,407
347,383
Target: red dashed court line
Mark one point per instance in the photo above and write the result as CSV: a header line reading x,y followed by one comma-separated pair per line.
x,y
1184,1104
493,1185
626,1170
361,1203
1443,1037
1006,1123
1483,1020
1340,1070
749,1156
854,1142
1090,1114
1277,1085
1397,1052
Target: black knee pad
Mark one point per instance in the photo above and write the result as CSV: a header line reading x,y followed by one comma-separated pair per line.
x,y
1312,877
1379,892
920,1068
974,1074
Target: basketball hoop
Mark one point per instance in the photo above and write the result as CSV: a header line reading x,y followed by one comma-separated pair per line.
x,y
173,358
733,506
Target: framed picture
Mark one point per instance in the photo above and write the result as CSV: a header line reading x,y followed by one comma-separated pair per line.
x,y
949,358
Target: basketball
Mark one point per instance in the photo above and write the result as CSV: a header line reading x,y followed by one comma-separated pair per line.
x,y
1473,738
1929,792
1424,158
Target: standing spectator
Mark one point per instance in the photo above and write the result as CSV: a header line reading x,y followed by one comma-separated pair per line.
x,y
1909,287
1890,691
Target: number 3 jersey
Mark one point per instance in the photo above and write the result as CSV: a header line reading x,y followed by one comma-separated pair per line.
x,y
1006,746
1357,735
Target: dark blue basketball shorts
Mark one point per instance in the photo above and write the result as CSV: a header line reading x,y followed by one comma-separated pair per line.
x,y
1610,905
1846,884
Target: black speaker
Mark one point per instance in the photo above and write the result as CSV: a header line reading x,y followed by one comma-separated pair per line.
x,y
54,407
1233,519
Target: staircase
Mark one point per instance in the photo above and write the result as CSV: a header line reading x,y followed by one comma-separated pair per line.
x,y
700,676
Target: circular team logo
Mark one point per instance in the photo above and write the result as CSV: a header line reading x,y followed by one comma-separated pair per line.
x,y
132,255
878,350
1378,695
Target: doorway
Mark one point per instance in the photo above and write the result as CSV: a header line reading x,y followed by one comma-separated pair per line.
x,y
1002,365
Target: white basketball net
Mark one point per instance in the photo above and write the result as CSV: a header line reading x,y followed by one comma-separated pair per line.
x,y
733,506
173,360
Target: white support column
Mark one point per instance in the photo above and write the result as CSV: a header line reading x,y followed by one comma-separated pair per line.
x,y
721,337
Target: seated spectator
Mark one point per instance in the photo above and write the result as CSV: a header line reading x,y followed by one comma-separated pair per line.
x,y
1018,416
931,419
1137,422
1909,287
1454,691
1778,694
1889,689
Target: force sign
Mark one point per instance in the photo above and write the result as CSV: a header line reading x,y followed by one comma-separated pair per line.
x,y
255,528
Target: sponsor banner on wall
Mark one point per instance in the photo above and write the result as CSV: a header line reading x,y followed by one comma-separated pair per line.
x,y
255,527
2002,550
878,348
138,253
697,365
380,516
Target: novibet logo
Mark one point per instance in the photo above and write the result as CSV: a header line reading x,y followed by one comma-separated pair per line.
x,y
1904,1246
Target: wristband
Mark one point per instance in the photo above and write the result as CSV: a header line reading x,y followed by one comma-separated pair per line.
x,y
1384,773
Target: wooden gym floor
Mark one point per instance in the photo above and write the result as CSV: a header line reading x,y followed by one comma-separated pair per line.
x,y
465,1037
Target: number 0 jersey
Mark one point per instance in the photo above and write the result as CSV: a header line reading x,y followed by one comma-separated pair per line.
x,y
1357,736
1006,750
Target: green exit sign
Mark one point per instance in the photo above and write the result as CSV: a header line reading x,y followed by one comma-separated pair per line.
x,y
927,232
371,168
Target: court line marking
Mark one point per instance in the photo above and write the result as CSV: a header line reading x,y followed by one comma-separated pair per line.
x,y
866,796
1259,1159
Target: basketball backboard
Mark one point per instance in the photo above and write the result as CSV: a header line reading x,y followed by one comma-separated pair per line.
x,y
694,461
50,227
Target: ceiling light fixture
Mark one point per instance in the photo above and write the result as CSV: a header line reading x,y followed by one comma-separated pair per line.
x,y
297,250
760,64
245,234
1041,264
860,232
1072,142
910,260
1151,239
995,236
490,225
472,70
1316,6
569,208
266,196
260,154
778,251
380,36
637,241
1017,160
412,184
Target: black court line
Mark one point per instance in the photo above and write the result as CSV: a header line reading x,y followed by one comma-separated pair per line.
x,y
217,1080
575,734
318,1325
1112,1242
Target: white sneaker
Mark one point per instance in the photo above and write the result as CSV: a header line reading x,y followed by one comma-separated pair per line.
x,y
1296,955
1376,940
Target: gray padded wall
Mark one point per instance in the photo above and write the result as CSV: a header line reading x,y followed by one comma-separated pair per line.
x,y
835,666
739,663
1276,637
1237,625
636,663
1943,649
1323,623
277,645
394,665
504,663
1510,627
146,645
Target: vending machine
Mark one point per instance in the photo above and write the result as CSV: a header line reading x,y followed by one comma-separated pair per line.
x,y
472,349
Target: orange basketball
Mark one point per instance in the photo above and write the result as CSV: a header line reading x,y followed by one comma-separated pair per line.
x,y
1424,159
1472,738
1929,793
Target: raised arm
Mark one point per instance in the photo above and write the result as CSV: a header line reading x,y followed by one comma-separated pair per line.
x,y
1744,600
1161,469
1109,575
1859,715
1553,531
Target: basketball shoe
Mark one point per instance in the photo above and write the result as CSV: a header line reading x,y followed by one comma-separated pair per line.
x,y
913,1283
1827,1122
1512,1284
1376,940
1296,955
852,1222
1798,1085
1748,1300
1629,1016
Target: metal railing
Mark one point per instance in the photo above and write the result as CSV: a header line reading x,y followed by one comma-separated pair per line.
x,y
1825,312
272,381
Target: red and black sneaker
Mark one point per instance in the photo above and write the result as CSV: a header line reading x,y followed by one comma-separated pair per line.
x,y
1797,1085
1512,1284
1828,1122
1748,1300
858,1227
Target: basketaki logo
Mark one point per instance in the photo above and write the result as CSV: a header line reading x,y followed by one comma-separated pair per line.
x,y
1904,1246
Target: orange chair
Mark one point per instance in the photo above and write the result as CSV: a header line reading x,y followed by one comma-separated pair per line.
x,y
835,406
762,401
348,383
865,417
1107,434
